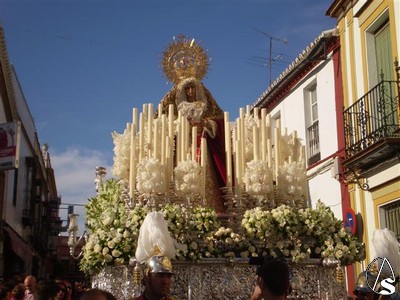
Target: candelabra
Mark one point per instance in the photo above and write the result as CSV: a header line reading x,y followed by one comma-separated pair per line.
x,y
74,240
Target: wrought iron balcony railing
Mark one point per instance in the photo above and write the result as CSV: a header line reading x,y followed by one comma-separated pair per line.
x,y
374,117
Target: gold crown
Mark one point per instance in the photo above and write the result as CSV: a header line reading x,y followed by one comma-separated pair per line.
x,y
184,58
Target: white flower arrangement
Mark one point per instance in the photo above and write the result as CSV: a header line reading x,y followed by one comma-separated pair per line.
x,y
302,233
150,177
113,230
187,174
229,244
249,123
292,178
258,178
122,146
203,221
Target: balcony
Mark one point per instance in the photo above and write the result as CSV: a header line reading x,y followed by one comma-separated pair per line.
x,y
372,130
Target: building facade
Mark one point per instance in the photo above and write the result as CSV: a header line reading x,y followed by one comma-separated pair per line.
x,y
29,202
307,98
370,48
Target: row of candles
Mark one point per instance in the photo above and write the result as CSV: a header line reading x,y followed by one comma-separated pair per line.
x,y
164,138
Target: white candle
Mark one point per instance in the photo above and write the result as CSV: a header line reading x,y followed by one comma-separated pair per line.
x,y
203,153
295,145
194,143
263,115
228,150
277,158
177,140
171,117
255,113
167,163
234,138
241,112
144,111
163,138
255,143
203,162
238,177
269,153
159,110
268,120
302,153
150,127
178,146
263,134
229,158
155,139
141,135
132,163
247,110
263,142
243,141
135,117
187,139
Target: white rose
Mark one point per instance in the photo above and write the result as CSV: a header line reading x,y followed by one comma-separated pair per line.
x,y
97,249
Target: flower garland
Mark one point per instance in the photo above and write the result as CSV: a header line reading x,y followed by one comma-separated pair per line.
x,y
296,233
302,233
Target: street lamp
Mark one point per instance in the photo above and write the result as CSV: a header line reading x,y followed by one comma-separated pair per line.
x,y
73,240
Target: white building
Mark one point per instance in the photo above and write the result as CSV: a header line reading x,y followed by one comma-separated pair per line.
x,y
306,98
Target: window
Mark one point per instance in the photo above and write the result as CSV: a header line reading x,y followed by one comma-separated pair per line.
x,y
383,52
314,105
391,217
313,149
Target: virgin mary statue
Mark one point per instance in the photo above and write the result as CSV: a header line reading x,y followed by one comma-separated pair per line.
x,y
185,64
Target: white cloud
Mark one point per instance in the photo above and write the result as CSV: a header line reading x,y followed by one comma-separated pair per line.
x,y
75,171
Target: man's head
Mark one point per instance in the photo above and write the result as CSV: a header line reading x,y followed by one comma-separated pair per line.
x,y
273,278
362,290
30,284
157,285
158,276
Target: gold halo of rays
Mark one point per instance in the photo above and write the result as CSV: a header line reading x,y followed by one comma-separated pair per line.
x,y
184,58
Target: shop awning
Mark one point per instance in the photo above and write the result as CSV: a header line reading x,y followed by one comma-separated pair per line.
x,y
19,246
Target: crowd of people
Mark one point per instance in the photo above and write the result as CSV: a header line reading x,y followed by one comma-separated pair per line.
x,y
30,288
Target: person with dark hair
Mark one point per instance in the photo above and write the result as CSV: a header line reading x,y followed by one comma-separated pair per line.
x,y
46,290
62,291
18,292
273,280
97,294
5,292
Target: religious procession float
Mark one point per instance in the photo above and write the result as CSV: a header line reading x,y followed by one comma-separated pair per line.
x,y
230,190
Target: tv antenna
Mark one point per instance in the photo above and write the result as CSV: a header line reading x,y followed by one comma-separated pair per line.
x,y
270,59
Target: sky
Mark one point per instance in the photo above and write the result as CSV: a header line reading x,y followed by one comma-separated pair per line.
x,y
84,64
